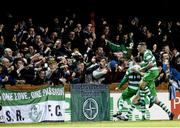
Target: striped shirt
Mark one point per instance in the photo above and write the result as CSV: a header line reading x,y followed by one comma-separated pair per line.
x,y
132,78
148,58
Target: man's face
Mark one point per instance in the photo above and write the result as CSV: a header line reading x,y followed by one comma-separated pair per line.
x,y
79,26
155,46
53,66
6,63
102,63
31,31
81,66
125,37
20,63
42,74
120,55
175,51
56,20
178,61
89,27
71,35
38,38
9,53
166,49
165,57
100,50
140,48
106,30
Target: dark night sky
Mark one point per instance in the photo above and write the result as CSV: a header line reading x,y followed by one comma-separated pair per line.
x,y
48,8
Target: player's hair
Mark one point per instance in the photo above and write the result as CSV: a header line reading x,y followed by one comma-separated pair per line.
x,y
142,43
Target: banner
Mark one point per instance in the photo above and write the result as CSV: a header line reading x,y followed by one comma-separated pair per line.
x,y
46,104
1,116
90,102
175,106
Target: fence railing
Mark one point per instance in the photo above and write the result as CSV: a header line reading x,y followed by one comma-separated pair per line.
x,y
162,87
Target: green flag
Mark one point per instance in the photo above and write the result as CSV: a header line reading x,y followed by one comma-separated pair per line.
x,y
90,102
45,104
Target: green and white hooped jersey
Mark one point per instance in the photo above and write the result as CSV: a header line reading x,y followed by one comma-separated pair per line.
x,y
148,58
133,79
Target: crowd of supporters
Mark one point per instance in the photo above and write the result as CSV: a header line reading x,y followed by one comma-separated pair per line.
x,y
67,51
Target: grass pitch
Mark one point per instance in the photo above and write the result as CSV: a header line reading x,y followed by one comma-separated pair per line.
x,y
100,124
